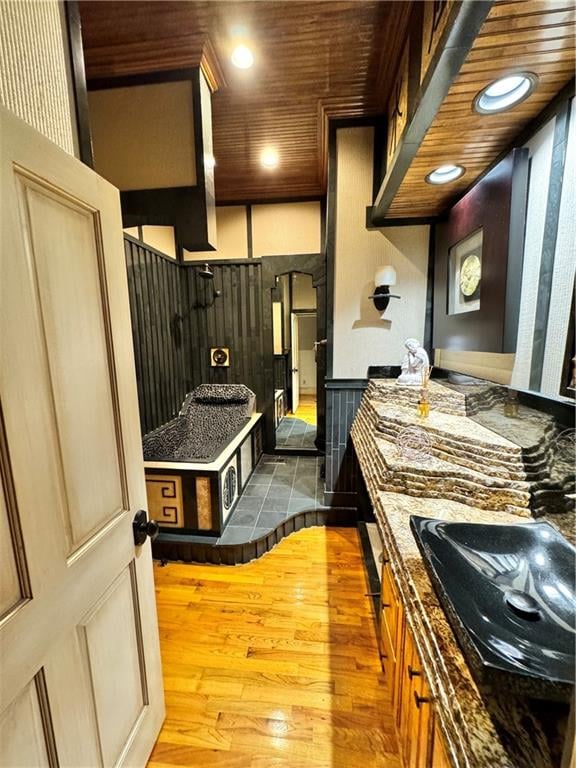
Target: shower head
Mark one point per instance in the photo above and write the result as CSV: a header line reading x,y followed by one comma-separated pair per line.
x,y
206,273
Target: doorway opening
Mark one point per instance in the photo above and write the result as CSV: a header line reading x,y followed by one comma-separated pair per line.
x,y
295,344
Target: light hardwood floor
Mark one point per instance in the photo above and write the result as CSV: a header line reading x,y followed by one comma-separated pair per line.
x,y
274,664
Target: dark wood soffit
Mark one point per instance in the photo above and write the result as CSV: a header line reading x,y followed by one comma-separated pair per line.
x,y
74,28
464,23
314,61
516,36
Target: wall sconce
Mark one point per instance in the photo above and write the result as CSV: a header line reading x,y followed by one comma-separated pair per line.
x,y
384,278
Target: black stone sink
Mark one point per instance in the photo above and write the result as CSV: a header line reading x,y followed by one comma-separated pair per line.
x,y
509,594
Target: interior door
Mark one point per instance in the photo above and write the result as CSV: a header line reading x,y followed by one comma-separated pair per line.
x,y
295,357
80,666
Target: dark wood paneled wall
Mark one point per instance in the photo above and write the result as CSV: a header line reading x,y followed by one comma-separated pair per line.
x,y
343,398
233,320
156,306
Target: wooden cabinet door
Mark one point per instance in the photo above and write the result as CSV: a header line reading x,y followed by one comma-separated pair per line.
x,y
406,709
81,681
440,757
415,716
421,736
388,628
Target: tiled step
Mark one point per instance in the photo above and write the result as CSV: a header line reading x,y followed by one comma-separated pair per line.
x,y
200,549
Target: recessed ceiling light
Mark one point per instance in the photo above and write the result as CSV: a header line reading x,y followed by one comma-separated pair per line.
x,y
505,93
242,57
269,158
445,174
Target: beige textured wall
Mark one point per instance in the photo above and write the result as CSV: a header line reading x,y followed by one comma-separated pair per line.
x,y
361,338
143,136
231,229
286,228
277,229
161,238
35,80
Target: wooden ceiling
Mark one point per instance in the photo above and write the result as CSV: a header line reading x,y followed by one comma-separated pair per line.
x,y
530,35
313,60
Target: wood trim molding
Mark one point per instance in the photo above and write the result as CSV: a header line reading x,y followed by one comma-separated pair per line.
x,y
210,67
79,87
493,366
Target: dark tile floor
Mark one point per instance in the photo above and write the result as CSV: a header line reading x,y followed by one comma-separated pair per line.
x,y
280,487
295,433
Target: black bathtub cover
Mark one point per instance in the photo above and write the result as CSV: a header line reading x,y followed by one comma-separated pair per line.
x,y
210,417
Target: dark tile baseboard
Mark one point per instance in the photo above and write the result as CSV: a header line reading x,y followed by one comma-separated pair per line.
x,y
195,549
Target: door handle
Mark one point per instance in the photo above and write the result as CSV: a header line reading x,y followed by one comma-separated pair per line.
x,y
419,700
142,528
293,370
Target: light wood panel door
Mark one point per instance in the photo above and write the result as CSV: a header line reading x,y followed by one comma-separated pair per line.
x,y
440,757
79,656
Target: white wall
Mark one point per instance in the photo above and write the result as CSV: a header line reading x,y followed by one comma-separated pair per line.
x,y
35,81
540,147
306,359
361,338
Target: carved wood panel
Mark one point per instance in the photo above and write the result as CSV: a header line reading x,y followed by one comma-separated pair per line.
x,y
398,105
436,13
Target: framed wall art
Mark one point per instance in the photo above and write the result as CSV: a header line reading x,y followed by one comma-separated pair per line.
x,y
465,274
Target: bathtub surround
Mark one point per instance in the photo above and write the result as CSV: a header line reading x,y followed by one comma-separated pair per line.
x,y
198,497
472,475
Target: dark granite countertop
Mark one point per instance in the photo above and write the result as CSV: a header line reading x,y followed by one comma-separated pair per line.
x,y
482,729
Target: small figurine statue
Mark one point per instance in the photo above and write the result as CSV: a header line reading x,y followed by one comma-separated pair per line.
x,y
415,364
